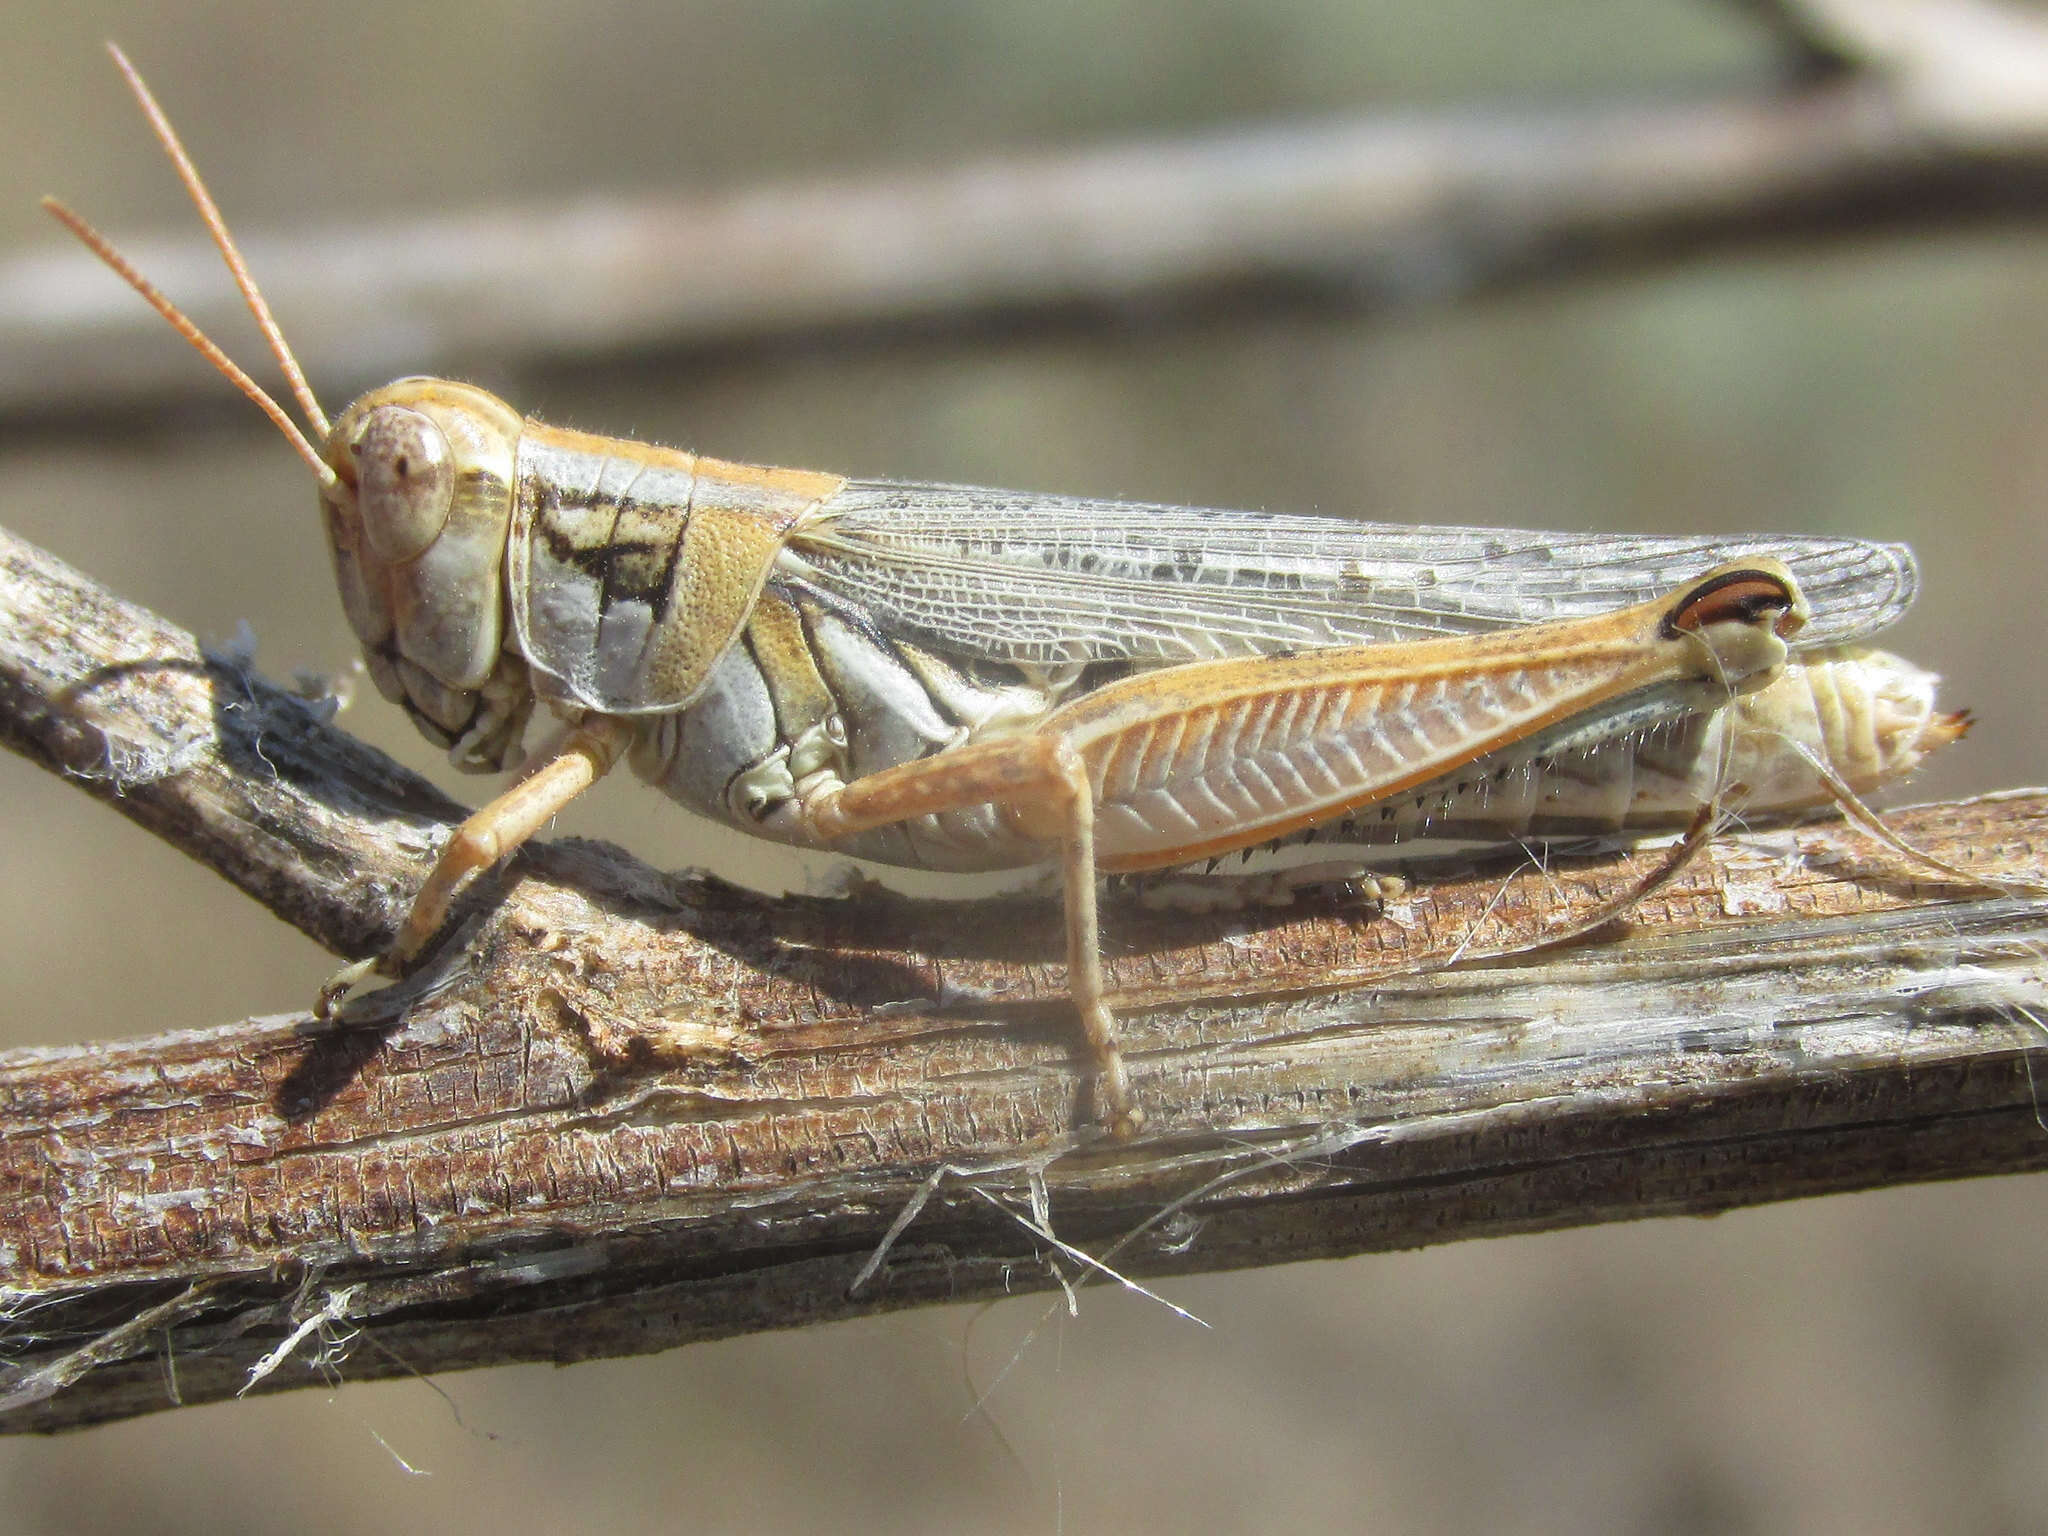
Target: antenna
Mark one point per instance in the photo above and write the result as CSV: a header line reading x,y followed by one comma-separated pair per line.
x,y
209,211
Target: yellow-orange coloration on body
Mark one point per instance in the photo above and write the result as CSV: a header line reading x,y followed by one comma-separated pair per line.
x,y
802,656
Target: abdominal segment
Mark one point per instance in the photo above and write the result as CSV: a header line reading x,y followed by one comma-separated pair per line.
x,y
1867,714
812,697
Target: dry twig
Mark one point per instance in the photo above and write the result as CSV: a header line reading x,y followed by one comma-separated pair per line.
x,y
626,1110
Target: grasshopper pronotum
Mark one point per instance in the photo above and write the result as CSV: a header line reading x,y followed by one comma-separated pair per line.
x,y
948,678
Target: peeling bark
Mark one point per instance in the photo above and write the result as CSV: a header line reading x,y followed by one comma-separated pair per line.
x,y
622,1110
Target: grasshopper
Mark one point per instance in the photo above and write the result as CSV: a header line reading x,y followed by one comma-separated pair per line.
x,y
949,678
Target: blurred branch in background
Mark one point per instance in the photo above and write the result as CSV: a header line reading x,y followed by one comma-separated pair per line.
x,y
1908,114
621,1111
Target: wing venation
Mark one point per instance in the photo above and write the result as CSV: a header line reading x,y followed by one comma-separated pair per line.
x,y
1050,580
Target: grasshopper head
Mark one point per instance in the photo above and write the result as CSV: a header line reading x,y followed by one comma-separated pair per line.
x,y
416,487
417,515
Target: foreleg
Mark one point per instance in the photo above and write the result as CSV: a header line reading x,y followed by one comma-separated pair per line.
x,y
584,755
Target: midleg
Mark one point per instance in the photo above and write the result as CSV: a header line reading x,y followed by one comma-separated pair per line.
x,y
1117,1109
1045,782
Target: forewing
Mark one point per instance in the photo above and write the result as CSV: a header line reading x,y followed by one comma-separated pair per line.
x,y
1047,580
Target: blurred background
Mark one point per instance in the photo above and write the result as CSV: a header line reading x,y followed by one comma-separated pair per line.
x,y
1856,1364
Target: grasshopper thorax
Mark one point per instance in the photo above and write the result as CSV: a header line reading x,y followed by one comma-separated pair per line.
x,y
417,516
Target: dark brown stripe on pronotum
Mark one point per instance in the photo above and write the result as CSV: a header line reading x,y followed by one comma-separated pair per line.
x,y
1748,597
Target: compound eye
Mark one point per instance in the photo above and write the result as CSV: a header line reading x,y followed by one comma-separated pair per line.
x,y
405,481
